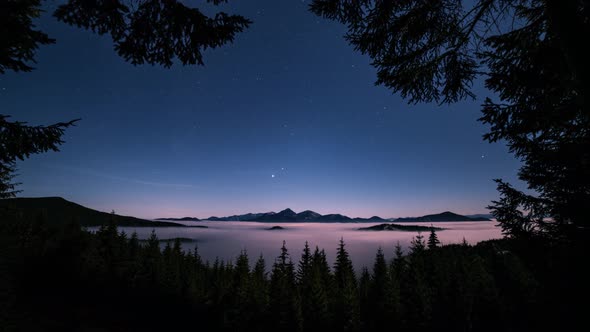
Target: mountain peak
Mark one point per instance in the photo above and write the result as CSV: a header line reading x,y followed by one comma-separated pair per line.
x,y
308,215
288,212
449,213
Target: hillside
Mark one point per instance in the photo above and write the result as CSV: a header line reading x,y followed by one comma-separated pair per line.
x,y
56,210
179,219
404,228
240,217
441,217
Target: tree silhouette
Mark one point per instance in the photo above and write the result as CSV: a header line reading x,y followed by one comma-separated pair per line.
x,y
284,306
19,141
18,38
242,304
383,295
318,316
260,294
143,32
305,281
398,263
365,298
531,58
433,241
417,244
346,307
108,281
304,267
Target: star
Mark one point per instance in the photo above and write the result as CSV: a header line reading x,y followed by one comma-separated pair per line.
x,y
272,176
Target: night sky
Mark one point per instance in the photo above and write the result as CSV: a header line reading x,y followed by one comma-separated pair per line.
x,y
287,116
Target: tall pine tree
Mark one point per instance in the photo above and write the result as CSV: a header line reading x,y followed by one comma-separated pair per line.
x,y
433,241
283,303
346,301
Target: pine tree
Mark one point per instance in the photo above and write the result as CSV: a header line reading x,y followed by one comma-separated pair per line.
x,y
320,262
365,299
304,268
19,141
151,264
259,280
198,277
398,270
417,245
415,291
170,272
134,246
322,292
398,263
304,281
132,259
284,307
241,312
346,305
383,297
260,295
197,257
343,269
433,241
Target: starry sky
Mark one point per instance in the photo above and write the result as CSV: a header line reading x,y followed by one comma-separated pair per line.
x,y
287,116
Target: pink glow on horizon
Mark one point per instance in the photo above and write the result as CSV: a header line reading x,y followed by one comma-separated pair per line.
x,y
151,210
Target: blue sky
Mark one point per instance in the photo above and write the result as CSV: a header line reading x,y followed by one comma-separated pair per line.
x,y
287,116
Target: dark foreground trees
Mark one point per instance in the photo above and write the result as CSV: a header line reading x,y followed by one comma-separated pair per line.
x,y
532,58
67,279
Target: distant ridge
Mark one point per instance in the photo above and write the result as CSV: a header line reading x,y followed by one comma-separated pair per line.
x,y
441,217
481,215
285,215
241,217
179,219
398,227
289,215
334,217
56,210
59,210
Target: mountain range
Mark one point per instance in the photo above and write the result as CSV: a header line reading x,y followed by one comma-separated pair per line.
x,y
58,210
289,215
